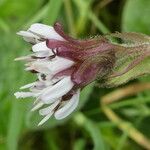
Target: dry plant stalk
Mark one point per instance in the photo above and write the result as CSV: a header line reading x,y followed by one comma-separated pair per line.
x,y
123,125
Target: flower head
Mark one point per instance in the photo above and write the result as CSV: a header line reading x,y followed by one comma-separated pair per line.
x,y
64,66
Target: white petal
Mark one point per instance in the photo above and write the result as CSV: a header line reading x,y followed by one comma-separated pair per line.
x,y
58,90
29,69
47,110
68,108
27,34
26,58
37,106
39,86
40,47
50,67
59,64
44,53
24,94
35,90
45,31
31,40
28,85
40,66
45,119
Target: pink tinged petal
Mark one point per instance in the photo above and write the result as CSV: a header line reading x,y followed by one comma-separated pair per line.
x,y
85,73
59,89
45,31
77,53
68,108
37,106
45,118
49,109
59,29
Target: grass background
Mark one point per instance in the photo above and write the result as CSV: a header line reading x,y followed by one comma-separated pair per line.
x,y
88,128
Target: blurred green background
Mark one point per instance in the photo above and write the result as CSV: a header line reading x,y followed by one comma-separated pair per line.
x,y
88,128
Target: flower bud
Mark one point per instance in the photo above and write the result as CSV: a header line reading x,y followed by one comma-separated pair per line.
x,y
65,65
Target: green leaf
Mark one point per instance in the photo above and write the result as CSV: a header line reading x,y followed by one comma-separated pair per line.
x,y
136,16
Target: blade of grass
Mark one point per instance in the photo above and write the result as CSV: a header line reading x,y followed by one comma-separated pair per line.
x,y
79,144
93,130
85,14
51,140
127,127
15,125
129,102
54,7
4,26
48,13
123,125
37,17
98,23
69,17
83,8
122,141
